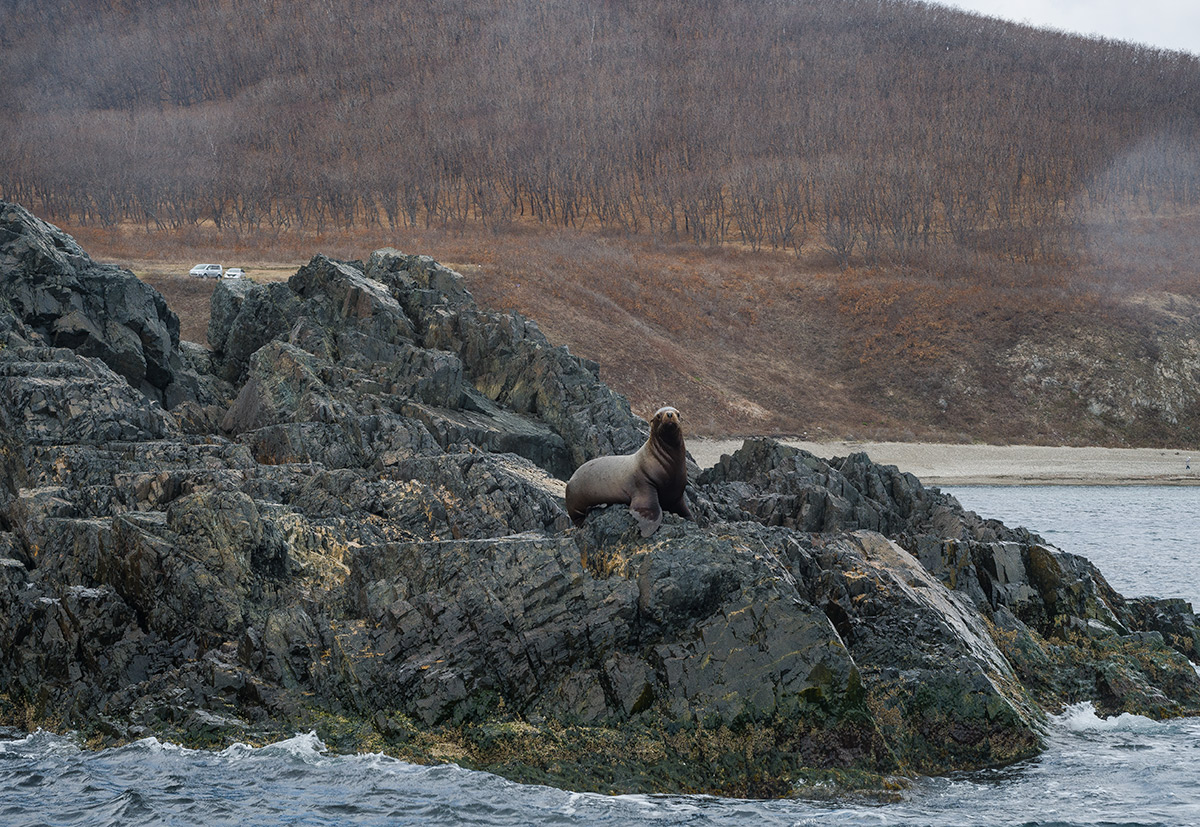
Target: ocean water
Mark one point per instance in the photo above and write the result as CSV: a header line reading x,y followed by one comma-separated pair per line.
x,y
1145,539
1120,771
1126,770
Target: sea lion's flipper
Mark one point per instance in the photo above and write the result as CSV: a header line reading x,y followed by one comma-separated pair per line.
x,y
680,507
646,511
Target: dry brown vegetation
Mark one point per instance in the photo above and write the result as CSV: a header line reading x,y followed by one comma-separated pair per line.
x,y
877,130
743,341
795,216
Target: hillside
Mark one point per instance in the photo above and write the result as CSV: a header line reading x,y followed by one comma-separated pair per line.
x,y
885,219
754,343
370,544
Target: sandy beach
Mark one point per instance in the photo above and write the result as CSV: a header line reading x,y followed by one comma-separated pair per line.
x,y
941,464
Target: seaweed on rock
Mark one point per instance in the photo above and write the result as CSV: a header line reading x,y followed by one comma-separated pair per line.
x,y
348,516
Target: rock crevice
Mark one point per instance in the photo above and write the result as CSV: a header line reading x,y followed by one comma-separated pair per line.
x,y
348,516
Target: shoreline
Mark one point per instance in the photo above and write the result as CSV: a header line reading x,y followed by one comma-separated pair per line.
x,y
949,464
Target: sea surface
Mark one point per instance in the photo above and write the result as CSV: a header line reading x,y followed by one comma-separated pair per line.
x,y
1118,771
1145,539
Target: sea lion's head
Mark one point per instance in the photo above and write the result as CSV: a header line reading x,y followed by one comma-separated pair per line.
x,y
667,426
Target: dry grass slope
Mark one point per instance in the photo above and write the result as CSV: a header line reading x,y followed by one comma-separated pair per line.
x,y
755,342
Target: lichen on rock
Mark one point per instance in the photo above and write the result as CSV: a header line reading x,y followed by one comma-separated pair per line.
x,y
347,515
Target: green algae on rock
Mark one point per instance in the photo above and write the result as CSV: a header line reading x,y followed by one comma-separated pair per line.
x,y
347,516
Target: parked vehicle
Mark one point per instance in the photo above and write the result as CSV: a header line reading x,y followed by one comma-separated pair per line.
x,y
206,271
235,273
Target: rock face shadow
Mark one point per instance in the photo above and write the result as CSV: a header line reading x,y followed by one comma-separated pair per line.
x,y
347,516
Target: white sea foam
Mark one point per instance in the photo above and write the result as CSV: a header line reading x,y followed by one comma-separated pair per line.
x,y
156,747
305,746
39,741
1082,717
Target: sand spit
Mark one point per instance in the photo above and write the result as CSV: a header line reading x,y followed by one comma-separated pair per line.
x,y
943,464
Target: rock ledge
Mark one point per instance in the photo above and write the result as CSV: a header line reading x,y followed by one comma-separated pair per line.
x,y
347,516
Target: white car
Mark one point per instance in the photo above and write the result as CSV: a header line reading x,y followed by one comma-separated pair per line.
x,y
206,271
235,273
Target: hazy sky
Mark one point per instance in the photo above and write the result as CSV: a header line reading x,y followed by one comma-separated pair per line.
x,y
1166,24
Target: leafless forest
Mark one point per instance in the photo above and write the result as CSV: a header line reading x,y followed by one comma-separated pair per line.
x,y
844,217
876,129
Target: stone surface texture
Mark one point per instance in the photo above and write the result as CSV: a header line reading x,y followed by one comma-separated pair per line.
x,y
347,516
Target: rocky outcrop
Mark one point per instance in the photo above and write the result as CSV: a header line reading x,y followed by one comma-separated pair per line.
x,y
1053,615
1129,385
354,523
66,300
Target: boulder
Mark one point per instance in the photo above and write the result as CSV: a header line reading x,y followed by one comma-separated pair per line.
x,y
69,301
245,317
355,525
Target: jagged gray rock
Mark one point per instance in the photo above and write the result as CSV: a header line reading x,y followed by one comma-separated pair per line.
x,y
67,300
355,524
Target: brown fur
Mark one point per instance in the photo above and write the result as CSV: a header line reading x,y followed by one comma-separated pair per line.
x,y
650,481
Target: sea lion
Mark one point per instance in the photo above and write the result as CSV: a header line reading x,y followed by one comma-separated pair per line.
x,y
649,481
